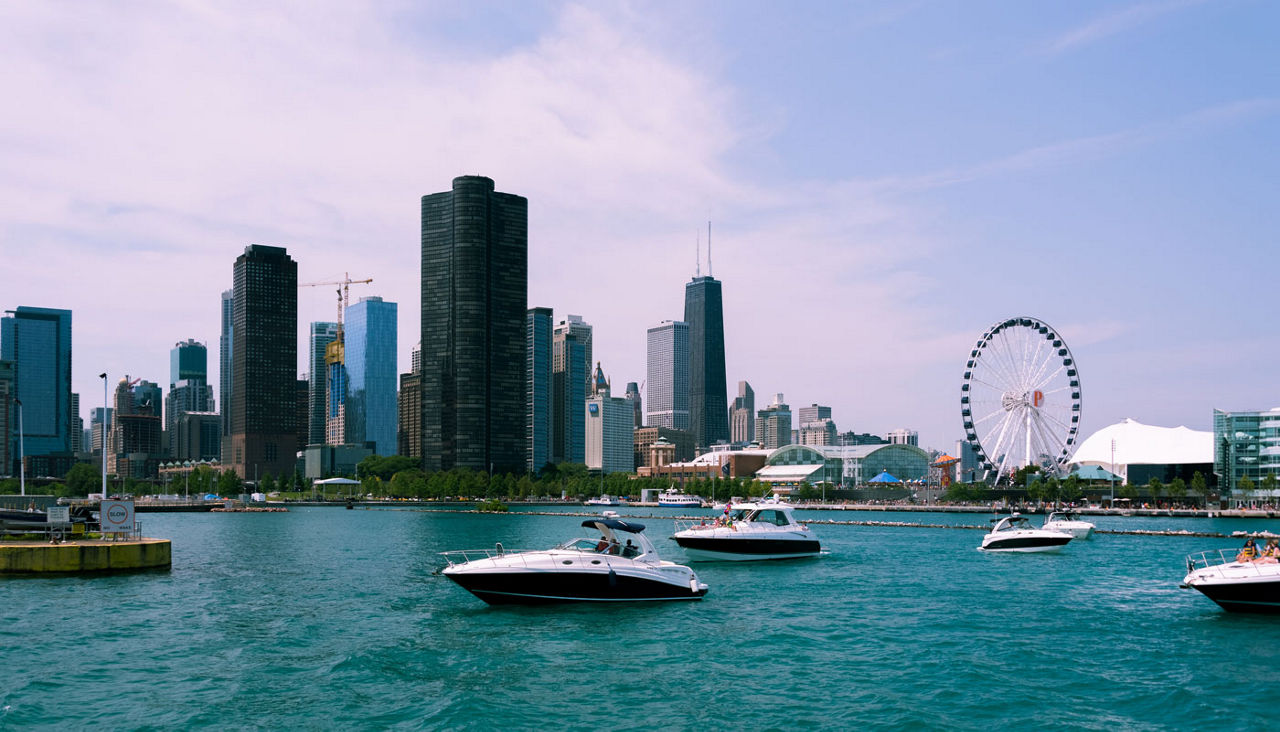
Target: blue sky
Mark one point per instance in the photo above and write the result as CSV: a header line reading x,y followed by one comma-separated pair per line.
x,y
886,180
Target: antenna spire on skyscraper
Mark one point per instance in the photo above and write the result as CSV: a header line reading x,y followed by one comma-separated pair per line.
x,y
710,272
697,257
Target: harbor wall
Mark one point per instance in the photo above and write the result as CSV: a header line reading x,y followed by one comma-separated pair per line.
x,y
76,557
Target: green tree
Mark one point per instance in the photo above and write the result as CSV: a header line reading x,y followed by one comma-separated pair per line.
x,y
1200,486
1245,485
1155,487
84,479
1178,489
1269,482
1128,490
229,484
1071,490
268,484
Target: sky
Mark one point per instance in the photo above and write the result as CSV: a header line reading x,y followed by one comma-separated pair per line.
x,y
884,180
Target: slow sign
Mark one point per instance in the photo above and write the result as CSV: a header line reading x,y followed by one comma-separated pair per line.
x,y
117,517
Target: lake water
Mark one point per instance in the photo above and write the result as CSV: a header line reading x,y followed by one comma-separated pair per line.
x,y
326,618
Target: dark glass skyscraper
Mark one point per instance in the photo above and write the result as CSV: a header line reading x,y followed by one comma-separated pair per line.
x,y
474,295
708,390
537,370
38,342
224,360
264,362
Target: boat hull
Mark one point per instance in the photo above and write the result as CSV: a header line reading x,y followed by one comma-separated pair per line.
x,y
533,587
1078,532
747,549
1239,587
1027,544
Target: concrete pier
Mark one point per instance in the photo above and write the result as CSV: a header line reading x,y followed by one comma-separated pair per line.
x,y
83,556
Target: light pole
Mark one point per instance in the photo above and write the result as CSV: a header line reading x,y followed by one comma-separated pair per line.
x,y
1112,479
103,376
22,464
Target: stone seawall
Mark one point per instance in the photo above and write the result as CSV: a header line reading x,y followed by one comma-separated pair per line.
x,y
84,556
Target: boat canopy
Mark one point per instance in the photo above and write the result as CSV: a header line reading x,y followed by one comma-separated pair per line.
x,y
615,524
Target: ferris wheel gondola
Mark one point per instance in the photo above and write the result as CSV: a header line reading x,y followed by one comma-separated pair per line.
x,y
1020,400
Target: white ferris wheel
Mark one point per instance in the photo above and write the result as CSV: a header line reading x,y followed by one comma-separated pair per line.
x,y
1020,400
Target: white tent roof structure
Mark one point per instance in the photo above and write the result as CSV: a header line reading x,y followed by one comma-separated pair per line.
x,y
1142,444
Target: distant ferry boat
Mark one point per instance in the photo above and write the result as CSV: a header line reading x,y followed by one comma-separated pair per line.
x,y
673,497
603,500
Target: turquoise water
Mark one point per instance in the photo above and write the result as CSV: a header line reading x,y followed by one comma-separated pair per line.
x,y
325,618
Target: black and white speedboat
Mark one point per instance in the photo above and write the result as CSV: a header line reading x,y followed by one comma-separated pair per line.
x,y
748,531
1014,533
1069,523
620,565
1238,586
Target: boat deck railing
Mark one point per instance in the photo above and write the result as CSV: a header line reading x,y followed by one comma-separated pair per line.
x,y
462,556
1221,557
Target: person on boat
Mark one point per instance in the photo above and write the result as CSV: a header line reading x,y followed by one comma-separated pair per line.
x,y
1270,553
602,545
629,550
1248,552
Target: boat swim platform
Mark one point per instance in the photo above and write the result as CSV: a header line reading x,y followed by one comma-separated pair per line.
x,y
84,556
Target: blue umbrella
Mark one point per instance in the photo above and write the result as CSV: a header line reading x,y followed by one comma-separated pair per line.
x,y
884,478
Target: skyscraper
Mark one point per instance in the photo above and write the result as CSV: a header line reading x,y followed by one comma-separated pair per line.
x,y
537,368
38,342
409,434
633,396
370,343
742,418
322,334
708,391
8,459
570,376
224,360
773,425
474,297
667,375
264,359
610,436
189,391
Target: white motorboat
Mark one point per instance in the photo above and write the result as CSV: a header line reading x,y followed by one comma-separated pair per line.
x,y
748,531
1237,586
674,498
1014,533
603,500
621,565
1069,523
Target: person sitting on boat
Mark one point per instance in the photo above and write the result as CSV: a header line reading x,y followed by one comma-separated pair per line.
x,y
630,550
1270,553
1248,552
603,545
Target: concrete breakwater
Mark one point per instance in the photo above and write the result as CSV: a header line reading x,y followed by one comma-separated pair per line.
x,y
837,522
83,556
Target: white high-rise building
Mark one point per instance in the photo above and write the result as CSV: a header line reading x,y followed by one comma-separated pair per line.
x,y
609,429
667,376
904,437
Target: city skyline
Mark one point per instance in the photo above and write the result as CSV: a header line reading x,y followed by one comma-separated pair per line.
x,y
896,178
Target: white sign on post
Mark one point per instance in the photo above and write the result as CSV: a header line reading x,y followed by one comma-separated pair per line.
x,y
58,515
116,517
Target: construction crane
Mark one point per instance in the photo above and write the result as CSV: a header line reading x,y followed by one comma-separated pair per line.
x,y
343,298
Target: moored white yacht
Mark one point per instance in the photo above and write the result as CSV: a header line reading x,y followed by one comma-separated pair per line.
x,y
1069,523
748,531
1248,586
621,565
1014,533
674,498
603,500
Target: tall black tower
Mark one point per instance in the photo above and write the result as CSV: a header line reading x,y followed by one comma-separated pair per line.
x,y
475,264
263,437
708,390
